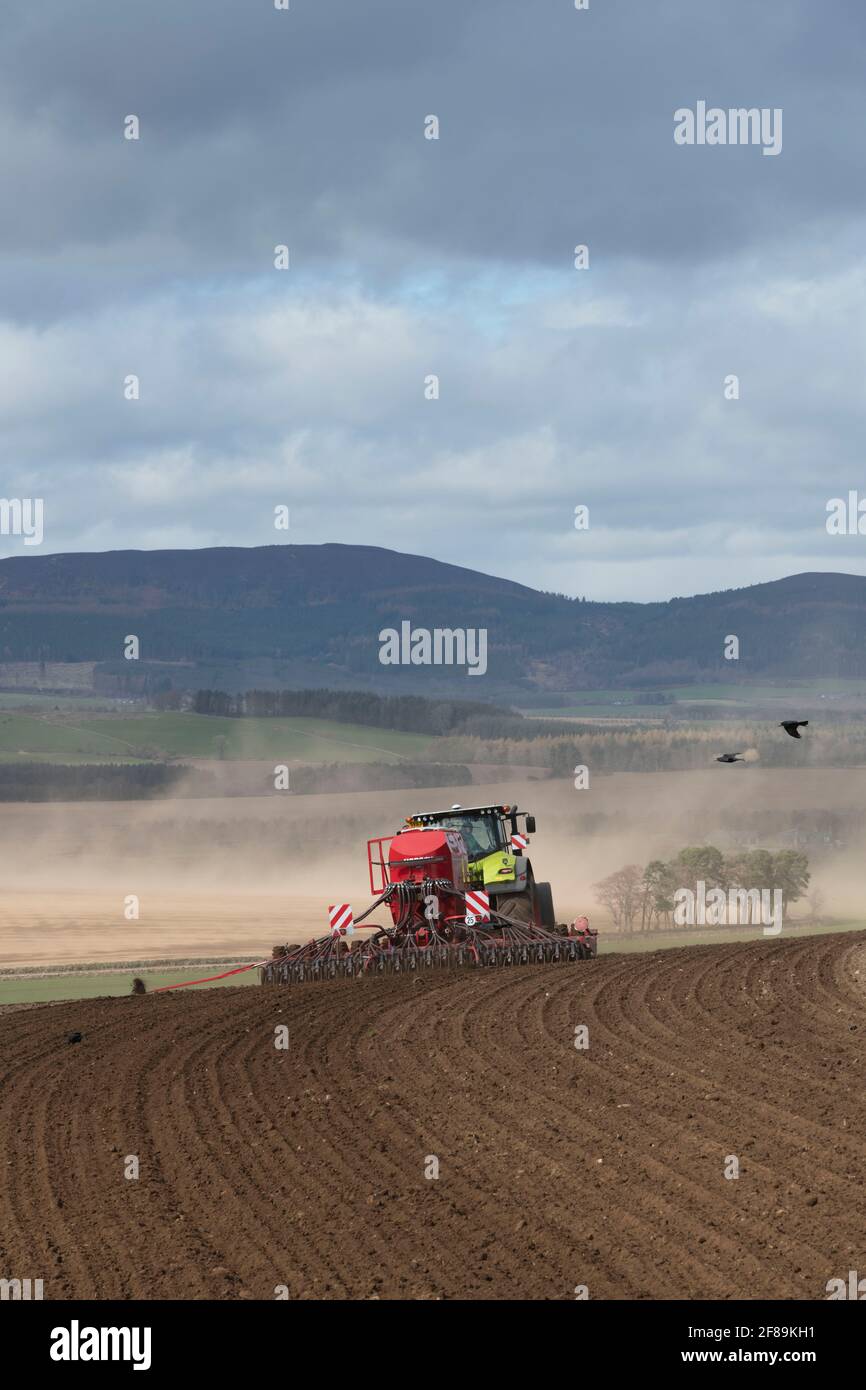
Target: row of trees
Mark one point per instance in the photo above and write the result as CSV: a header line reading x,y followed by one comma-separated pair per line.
x,y
678,748
644,899
94,781
404,713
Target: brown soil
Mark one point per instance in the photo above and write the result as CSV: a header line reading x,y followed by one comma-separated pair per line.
x,y
558,1167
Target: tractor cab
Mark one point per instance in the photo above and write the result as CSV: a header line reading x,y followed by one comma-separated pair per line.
x,y
485,830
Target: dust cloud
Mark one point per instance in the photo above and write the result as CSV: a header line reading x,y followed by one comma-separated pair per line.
x,y
236,874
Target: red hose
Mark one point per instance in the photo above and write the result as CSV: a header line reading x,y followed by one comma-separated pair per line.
x,y
183,984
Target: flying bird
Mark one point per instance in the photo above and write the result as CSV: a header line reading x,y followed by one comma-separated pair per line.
x,y
792,725
731,758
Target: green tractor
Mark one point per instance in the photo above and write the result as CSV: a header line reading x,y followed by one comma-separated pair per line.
x,y
495,845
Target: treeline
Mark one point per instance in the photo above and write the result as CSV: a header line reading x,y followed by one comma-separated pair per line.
x,y
679,748
643,899
97,782
401,713
368,777
136,782
803,828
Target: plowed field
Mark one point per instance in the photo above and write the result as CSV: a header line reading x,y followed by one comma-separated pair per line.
x,y
304,1167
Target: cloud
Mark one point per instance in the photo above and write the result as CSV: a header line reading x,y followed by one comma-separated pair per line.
x,y
413,257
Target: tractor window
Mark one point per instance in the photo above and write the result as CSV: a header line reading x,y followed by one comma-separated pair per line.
x,y
481,834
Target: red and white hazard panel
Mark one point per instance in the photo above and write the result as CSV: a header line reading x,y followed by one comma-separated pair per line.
x,y
519,842
342,919
477,906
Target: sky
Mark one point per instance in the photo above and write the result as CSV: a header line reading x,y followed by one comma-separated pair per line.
x,y
606,387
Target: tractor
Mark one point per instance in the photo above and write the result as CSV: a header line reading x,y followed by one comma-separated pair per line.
x,y
495,851
459,890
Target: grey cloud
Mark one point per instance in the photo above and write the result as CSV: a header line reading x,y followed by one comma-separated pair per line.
x,y
557,126
454,257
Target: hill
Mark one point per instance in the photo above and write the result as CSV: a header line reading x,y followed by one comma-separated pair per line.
x,y
303,615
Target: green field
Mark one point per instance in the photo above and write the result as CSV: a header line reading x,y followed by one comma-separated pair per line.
x,y
110,985
10,699
786,693
623,703
76,738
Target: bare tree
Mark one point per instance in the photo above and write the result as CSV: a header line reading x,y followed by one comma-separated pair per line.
x,y
816,900
622,893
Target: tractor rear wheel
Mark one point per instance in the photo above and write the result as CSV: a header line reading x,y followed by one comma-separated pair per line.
x,y
544,905
517,907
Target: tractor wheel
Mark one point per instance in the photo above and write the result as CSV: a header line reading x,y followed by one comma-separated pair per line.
x,y
517,907
544,905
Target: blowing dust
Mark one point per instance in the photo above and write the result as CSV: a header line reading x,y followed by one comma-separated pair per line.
x,y
234,875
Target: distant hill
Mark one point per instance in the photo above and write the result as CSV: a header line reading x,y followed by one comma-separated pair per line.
x,y
310,615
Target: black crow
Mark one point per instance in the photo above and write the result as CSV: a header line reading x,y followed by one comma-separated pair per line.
x,y
792,725
74,1037
731,758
